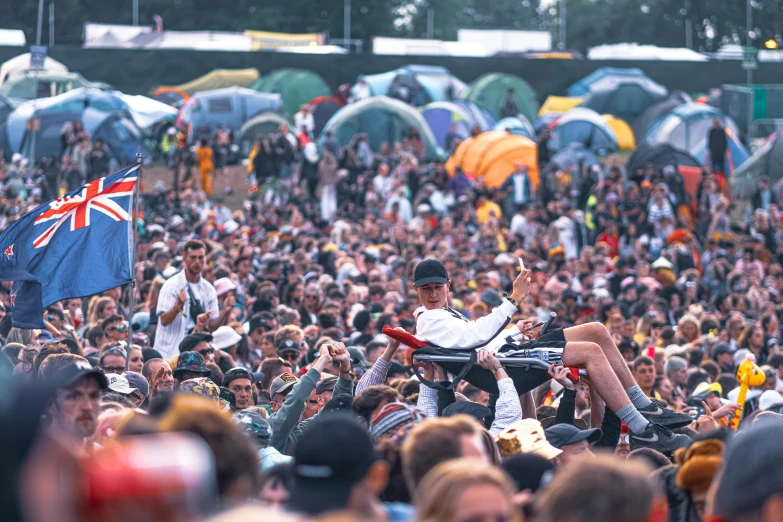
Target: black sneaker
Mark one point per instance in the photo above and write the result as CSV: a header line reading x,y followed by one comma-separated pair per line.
x,y
659,438
662,415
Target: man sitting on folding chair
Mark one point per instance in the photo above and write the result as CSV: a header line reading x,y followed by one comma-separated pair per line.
x,y
588,346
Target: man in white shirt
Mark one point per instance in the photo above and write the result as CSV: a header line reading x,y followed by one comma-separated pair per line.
x,y
184,298
587,346
303,121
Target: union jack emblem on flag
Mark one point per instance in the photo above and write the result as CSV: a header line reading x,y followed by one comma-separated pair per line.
x,y
77,209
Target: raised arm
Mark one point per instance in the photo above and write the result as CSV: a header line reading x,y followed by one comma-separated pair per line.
x,y
508,409
377,374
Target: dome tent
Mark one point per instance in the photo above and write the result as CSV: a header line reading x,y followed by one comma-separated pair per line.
x,y
583,126
519,126
441,115
626,98
582,87
766,161
659,156
558,104
384,120
260,125
657,111
438,83
22,63
488,91
687,126
295,87
622,131
493,155
120,134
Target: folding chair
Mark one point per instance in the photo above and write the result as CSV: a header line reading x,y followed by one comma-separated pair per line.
x,y
526,372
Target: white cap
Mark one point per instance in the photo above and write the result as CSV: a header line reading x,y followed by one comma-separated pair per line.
x,y
769,399
423,208
16,157
224,285
119,384
176,221
662,262
225,337
230,227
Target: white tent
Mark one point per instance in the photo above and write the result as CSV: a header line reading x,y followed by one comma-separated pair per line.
x,y
22,63
146,111
14,37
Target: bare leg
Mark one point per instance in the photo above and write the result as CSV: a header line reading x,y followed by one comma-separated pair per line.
x,y
590,356
598,334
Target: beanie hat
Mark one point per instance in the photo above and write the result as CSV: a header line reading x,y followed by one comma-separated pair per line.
x,y
394,420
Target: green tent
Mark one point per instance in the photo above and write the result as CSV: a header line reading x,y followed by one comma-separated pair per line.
x,y
766,161
489,90
295,86
22,84
263,124
384,120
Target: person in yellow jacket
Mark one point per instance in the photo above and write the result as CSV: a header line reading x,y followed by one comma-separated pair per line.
x,y
486,208
206,166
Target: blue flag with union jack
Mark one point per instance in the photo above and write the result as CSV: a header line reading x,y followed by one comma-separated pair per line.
x,y
74,246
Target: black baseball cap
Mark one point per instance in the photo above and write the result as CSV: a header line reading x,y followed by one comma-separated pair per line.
x,y
528,470
191,341
430,271
325,385
474,409
329,460
69,374
561,435
236,373
287,345
257,321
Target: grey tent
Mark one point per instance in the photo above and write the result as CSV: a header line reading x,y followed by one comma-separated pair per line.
x,y
766,161
658,110
260,125
624,98
232,106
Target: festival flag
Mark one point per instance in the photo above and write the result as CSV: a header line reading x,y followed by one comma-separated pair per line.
x,y
73,246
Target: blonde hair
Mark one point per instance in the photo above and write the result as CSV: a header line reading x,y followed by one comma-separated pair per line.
x,y
288,331
441,489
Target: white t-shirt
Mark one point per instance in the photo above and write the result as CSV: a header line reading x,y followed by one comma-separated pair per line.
x,y
167,338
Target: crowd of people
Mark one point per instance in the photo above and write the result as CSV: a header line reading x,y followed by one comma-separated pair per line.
x,y
253,377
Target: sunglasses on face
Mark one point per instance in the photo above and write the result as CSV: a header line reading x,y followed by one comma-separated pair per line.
x,y
311,297
114,369
208,351
122,328
289,356
137,395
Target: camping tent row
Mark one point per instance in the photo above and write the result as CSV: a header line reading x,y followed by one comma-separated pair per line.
x,y
766,161
487,91
112,116
493,156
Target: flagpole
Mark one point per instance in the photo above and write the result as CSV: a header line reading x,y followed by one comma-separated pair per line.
x,y
134,227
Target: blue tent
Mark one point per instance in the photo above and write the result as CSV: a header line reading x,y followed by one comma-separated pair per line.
x,y
440,116
115,129
232,106
586,127
545,120
438,83
582,87
519,126
687,127
483,118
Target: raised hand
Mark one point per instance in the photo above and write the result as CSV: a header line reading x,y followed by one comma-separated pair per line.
x,y
561,374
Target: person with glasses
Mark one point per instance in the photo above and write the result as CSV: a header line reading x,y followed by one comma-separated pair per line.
x,y
289,351
114,360
115,328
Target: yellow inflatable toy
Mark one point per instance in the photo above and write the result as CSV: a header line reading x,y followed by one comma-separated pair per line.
x,y
748,374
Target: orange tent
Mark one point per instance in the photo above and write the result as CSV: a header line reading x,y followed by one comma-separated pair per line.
x,y
493,155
